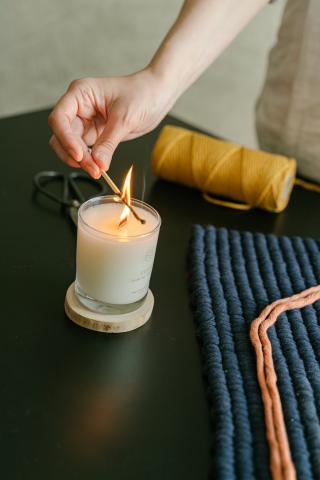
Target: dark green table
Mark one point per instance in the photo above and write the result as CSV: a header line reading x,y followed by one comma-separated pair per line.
x,y
81,405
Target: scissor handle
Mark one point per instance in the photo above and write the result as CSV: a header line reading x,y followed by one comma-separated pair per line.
x,y
69,186
51,175
73,183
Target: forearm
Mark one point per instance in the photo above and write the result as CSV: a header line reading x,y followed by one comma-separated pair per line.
x,y
203,29
105,111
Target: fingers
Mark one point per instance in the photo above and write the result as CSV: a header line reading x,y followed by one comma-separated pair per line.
x,y
93,130
61,153
89,165
86,164
60,120
108,141
76,122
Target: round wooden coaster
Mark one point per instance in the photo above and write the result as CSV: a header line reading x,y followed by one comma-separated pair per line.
x,y
100,322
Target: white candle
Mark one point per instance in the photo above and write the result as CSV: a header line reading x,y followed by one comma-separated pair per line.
x,y
114,264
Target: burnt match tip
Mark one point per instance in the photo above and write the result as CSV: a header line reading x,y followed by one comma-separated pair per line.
x,y
122,223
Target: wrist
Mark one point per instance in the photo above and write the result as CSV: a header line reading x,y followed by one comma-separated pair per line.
x,y
162,87
174,80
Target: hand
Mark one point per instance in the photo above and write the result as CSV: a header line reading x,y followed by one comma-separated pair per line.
x,y
102,112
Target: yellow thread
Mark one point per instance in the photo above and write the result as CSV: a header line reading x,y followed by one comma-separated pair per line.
x,y
225,203
219,169
307,185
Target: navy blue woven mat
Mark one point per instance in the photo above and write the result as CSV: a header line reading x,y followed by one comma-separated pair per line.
x,y
233,276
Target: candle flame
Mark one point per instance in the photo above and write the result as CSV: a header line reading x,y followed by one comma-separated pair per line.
x,y
126,195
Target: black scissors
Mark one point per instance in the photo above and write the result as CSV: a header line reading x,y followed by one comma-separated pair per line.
x,y
71,196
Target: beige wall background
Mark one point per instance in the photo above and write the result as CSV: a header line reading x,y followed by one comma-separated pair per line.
x,y
45,44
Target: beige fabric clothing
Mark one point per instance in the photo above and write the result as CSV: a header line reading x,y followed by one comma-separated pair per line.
x,y
288,110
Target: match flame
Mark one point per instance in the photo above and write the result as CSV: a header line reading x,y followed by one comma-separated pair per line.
x,y
126,194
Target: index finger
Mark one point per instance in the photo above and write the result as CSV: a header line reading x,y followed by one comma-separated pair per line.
x,y
60,120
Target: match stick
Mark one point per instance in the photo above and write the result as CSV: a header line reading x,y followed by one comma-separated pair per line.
x,y
116,190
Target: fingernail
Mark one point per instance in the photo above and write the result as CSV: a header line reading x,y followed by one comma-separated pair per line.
x,y
75,155
94,171
101,159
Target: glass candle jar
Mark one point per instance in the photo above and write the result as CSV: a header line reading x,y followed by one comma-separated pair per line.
x,y
114,264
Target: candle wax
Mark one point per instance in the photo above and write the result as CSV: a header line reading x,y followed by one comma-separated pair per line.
x,y
106,218
114,264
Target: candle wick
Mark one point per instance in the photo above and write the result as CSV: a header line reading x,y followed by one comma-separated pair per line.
x,y
122,223
116,190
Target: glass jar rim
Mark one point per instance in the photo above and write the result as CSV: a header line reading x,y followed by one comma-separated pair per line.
x,y
104,199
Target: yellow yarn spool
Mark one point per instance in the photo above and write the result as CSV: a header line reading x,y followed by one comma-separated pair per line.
x,y
252,177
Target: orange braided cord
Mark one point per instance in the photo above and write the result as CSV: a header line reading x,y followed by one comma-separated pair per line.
x,y
281,465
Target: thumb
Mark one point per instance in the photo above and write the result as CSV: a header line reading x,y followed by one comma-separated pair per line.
x,y
107,142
